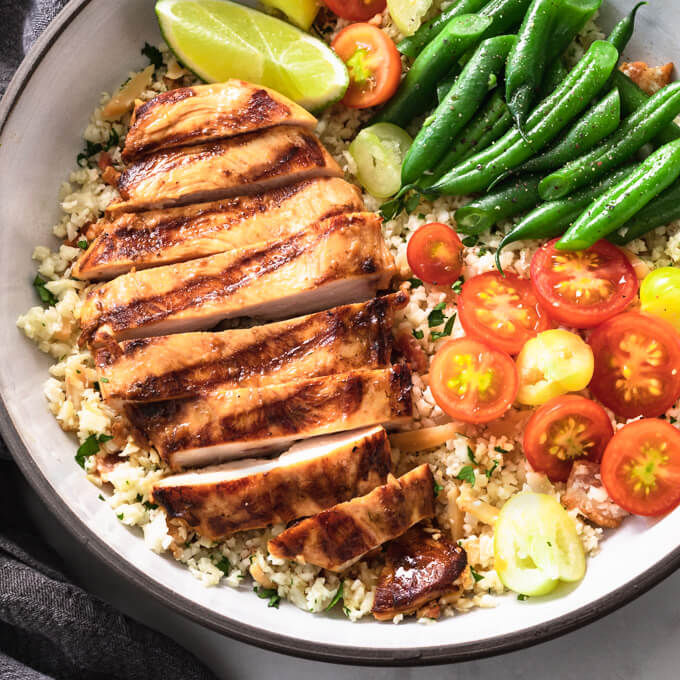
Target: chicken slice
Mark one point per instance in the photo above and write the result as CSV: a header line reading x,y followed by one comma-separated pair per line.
x,y
234,423
250,163
419,569
587,494
648,78
252,494
340,260
182,365
202,113
335,538
158,237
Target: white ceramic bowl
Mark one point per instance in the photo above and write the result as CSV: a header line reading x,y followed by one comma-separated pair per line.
x,y
87,50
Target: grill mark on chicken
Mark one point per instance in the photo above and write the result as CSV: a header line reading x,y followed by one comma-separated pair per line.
x,y
218,168
301,409
218,509
364,329
215,111
139,300
418,569
337,537
170,235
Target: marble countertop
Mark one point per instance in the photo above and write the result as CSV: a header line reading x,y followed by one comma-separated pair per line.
x,y
641,640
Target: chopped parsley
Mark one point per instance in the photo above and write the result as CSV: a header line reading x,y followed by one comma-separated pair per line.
x,y
437,489
224,566
457,285
269,593
46,297
467,474
149,505
101,498
498,449
491,470
104,380
435,335
470,241
89,447
337,597
415,283
91,148
521,597
345,611
418,335
153,54
121,516
436,316
471,455
82,244
411,203
475,575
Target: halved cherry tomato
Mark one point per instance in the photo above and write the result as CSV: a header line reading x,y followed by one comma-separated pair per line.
x,y
373,63
473,382
583,288
356,10
564,429
501,310
435,254
637,365
641,467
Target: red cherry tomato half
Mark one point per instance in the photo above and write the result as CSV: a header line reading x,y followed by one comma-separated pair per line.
x,y
583,288
641,467
435,254
373,62
501,310
564,429
637,365
356,10
473,382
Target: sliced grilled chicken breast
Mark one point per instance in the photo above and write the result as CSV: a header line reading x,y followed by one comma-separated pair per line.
x,y
335,538
158,237
419,569
340,260
249,163
252,494
192,115
233,423
175,366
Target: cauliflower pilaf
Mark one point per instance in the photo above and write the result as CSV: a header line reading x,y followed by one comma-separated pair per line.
x,y
481,465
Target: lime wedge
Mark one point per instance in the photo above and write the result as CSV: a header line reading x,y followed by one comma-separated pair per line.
x,y
408,14
219,40
300,12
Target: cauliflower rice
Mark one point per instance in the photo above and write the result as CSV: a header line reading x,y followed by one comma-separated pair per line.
x,y
126,473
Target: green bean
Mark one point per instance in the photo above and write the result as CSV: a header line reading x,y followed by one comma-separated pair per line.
x,y
527,60
446,83
623,31
413,45
597,123
507,200
635,131
492,122
555,74
420,84
544,124
573,16
617,205
634,98
457,108
507,15
660,211
554,218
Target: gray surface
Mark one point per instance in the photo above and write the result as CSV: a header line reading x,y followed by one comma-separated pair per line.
x,y
639,641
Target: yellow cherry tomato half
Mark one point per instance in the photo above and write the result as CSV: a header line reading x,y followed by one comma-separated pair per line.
x,y
555,362
660,294
536,545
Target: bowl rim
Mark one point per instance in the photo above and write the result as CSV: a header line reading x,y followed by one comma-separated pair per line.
x,y
263,637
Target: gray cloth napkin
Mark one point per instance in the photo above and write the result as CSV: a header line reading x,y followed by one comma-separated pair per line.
x,y
49,627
